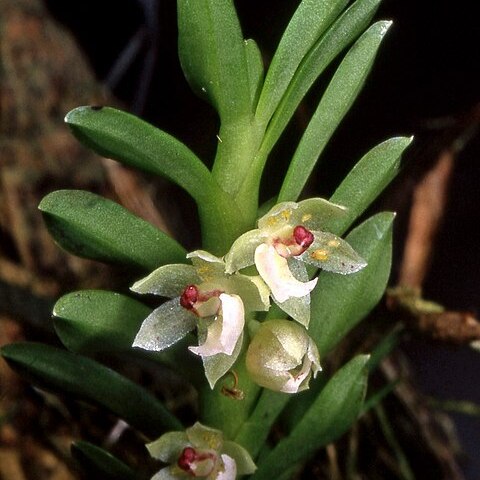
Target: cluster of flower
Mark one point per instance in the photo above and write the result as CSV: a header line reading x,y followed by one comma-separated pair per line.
x,y
212,297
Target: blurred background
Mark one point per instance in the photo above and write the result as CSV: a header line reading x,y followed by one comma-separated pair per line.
x,y
56,55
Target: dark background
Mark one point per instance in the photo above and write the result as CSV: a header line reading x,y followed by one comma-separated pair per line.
x,y
427,73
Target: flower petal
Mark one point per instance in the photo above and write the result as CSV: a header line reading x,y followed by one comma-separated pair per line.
x,y
223,333
203,437
167,473
333,254
274,270
165,326
314,213
167,281
297,308
241,254
206,265
253,291
245,464
299,381
230,469
218,365
278,216
168,447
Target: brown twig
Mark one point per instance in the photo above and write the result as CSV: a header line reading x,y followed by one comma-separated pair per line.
x,y
428,207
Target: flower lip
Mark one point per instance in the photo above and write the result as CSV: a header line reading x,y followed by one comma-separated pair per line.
x,y
303,236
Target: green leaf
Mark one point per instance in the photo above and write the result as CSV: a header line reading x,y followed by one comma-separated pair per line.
x,y
135,143
98,463
367,180
339,302
332,413
93,227
343,31
255,69
308,23
335,103
121,136
63,372
212,54
91,321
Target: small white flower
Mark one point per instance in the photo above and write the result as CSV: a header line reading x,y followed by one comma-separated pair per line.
x,y
206,299
287,238
200,452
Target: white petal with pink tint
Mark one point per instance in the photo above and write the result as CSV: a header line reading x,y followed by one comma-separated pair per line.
x,y
274,270
224,332
230,472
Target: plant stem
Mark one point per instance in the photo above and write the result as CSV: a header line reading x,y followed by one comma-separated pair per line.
x,y
219,410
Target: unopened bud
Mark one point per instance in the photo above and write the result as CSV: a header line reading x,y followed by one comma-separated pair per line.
x,y
282,357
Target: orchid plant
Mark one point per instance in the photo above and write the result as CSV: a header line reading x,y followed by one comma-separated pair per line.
x,y
274,287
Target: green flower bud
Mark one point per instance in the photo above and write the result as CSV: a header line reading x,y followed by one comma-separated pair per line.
x,y
282,357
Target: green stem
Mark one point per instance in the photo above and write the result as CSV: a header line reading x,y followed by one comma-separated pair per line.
x,y
255,430
238,145
222,411
222,222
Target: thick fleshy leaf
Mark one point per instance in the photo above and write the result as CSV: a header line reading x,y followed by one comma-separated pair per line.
x,y
68,373
91,226
331,414
91,321
308,23
166,325
242,252
218,365
340,302
335,103
333,254
135,143
96,462
274,270
168,281
367,180
121,136
212,53
341,33
255,69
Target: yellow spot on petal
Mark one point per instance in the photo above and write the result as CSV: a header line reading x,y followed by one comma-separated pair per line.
x,y
206,273
333,243
320,255
283,216
306,217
